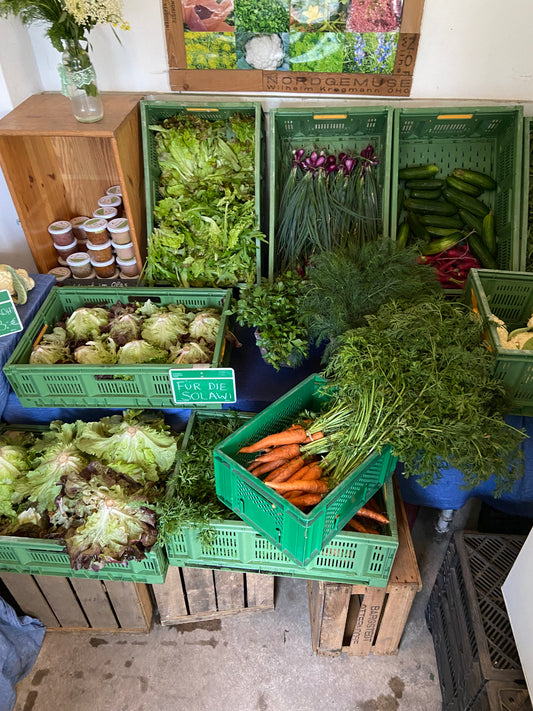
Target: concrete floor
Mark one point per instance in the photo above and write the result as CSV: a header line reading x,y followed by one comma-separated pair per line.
x,y
261,662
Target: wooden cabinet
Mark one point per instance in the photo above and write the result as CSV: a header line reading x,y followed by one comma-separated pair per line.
x,y
57,168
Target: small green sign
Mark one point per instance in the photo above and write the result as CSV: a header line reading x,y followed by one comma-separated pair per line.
x,y
203,386
9,317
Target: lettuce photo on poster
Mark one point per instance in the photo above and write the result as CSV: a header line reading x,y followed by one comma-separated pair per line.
x,y
316,51
262,16
370,52
374,15
319,15
210,50
207,15
262,51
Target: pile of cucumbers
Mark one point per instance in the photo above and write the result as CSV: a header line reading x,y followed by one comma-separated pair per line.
x,y
440,213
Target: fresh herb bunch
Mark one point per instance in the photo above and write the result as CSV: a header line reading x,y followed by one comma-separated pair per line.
x,y
326,201
274,310
346,284
262,16
190,497
419,378
207,232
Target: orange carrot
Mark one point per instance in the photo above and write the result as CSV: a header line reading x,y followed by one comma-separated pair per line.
x,y
372,505
294,435
319,486
308,473
306,500
367,513
361,528
286,451
313,437
266,467
286,470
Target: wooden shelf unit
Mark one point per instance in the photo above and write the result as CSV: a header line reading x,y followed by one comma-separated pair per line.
x,y
56,167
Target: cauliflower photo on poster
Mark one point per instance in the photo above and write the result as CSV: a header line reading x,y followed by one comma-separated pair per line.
x,y
258,51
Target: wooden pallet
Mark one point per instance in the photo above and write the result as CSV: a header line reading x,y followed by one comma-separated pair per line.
x,y
74,604
194,594
362,620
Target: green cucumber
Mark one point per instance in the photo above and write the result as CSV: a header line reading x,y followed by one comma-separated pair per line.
x,y
463,186
481,253
425,194
474,177
441,244
418,172
429,184
472,221
430,207
472,204
403,235
401,198
489,233
442,221
417,228
441,231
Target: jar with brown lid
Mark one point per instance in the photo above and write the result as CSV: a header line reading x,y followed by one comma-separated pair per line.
x,y
100,252
105,270
61,232
96,229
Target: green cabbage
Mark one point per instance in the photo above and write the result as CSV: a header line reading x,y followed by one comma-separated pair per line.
x,y
205,325
52,348
164,328
97,352
141,352
86,323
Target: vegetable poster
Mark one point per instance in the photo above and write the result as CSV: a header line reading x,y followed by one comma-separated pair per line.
x,y
343,36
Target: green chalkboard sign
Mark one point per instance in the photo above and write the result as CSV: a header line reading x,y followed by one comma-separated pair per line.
x,y
203,386
9,318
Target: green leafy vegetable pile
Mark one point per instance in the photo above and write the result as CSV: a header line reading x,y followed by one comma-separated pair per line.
x,y
131,333
207,229
190,498
93,485
419,378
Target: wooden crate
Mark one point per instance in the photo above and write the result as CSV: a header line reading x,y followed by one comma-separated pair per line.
x,y
74,604
194,594
362,620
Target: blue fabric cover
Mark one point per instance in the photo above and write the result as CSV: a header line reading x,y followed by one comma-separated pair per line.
x,y
27,312
20,642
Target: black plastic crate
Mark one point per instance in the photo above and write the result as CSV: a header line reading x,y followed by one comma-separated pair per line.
x,y
468,620
502,696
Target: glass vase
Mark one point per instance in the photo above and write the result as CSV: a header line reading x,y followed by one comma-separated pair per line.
x,y
78,80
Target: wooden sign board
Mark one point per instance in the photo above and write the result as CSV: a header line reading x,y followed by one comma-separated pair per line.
x,y
9,318
231,80
203,386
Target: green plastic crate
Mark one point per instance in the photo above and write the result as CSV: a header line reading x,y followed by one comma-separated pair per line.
x,y
333,129
526,167
509,296
487,139
38,556
153,112
144,385
355,558
299,536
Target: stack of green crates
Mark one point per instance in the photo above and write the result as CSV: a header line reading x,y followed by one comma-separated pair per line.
x,y
485,139
349,557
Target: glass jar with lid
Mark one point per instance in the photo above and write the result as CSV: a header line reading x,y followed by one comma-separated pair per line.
x,y
61,232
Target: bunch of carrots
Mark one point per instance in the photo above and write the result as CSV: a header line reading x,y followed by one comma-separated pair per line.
x,y
301,479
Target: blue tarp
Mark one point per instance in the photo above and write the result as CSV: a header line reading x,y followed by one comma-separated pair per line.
x,y
20,642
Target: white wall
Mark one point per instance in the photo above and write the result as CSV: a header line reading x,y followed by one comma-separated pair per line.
x,y
470,51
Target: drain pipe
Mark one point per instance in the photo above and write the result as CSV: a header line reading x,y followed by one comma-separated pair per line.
x,y
445,518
